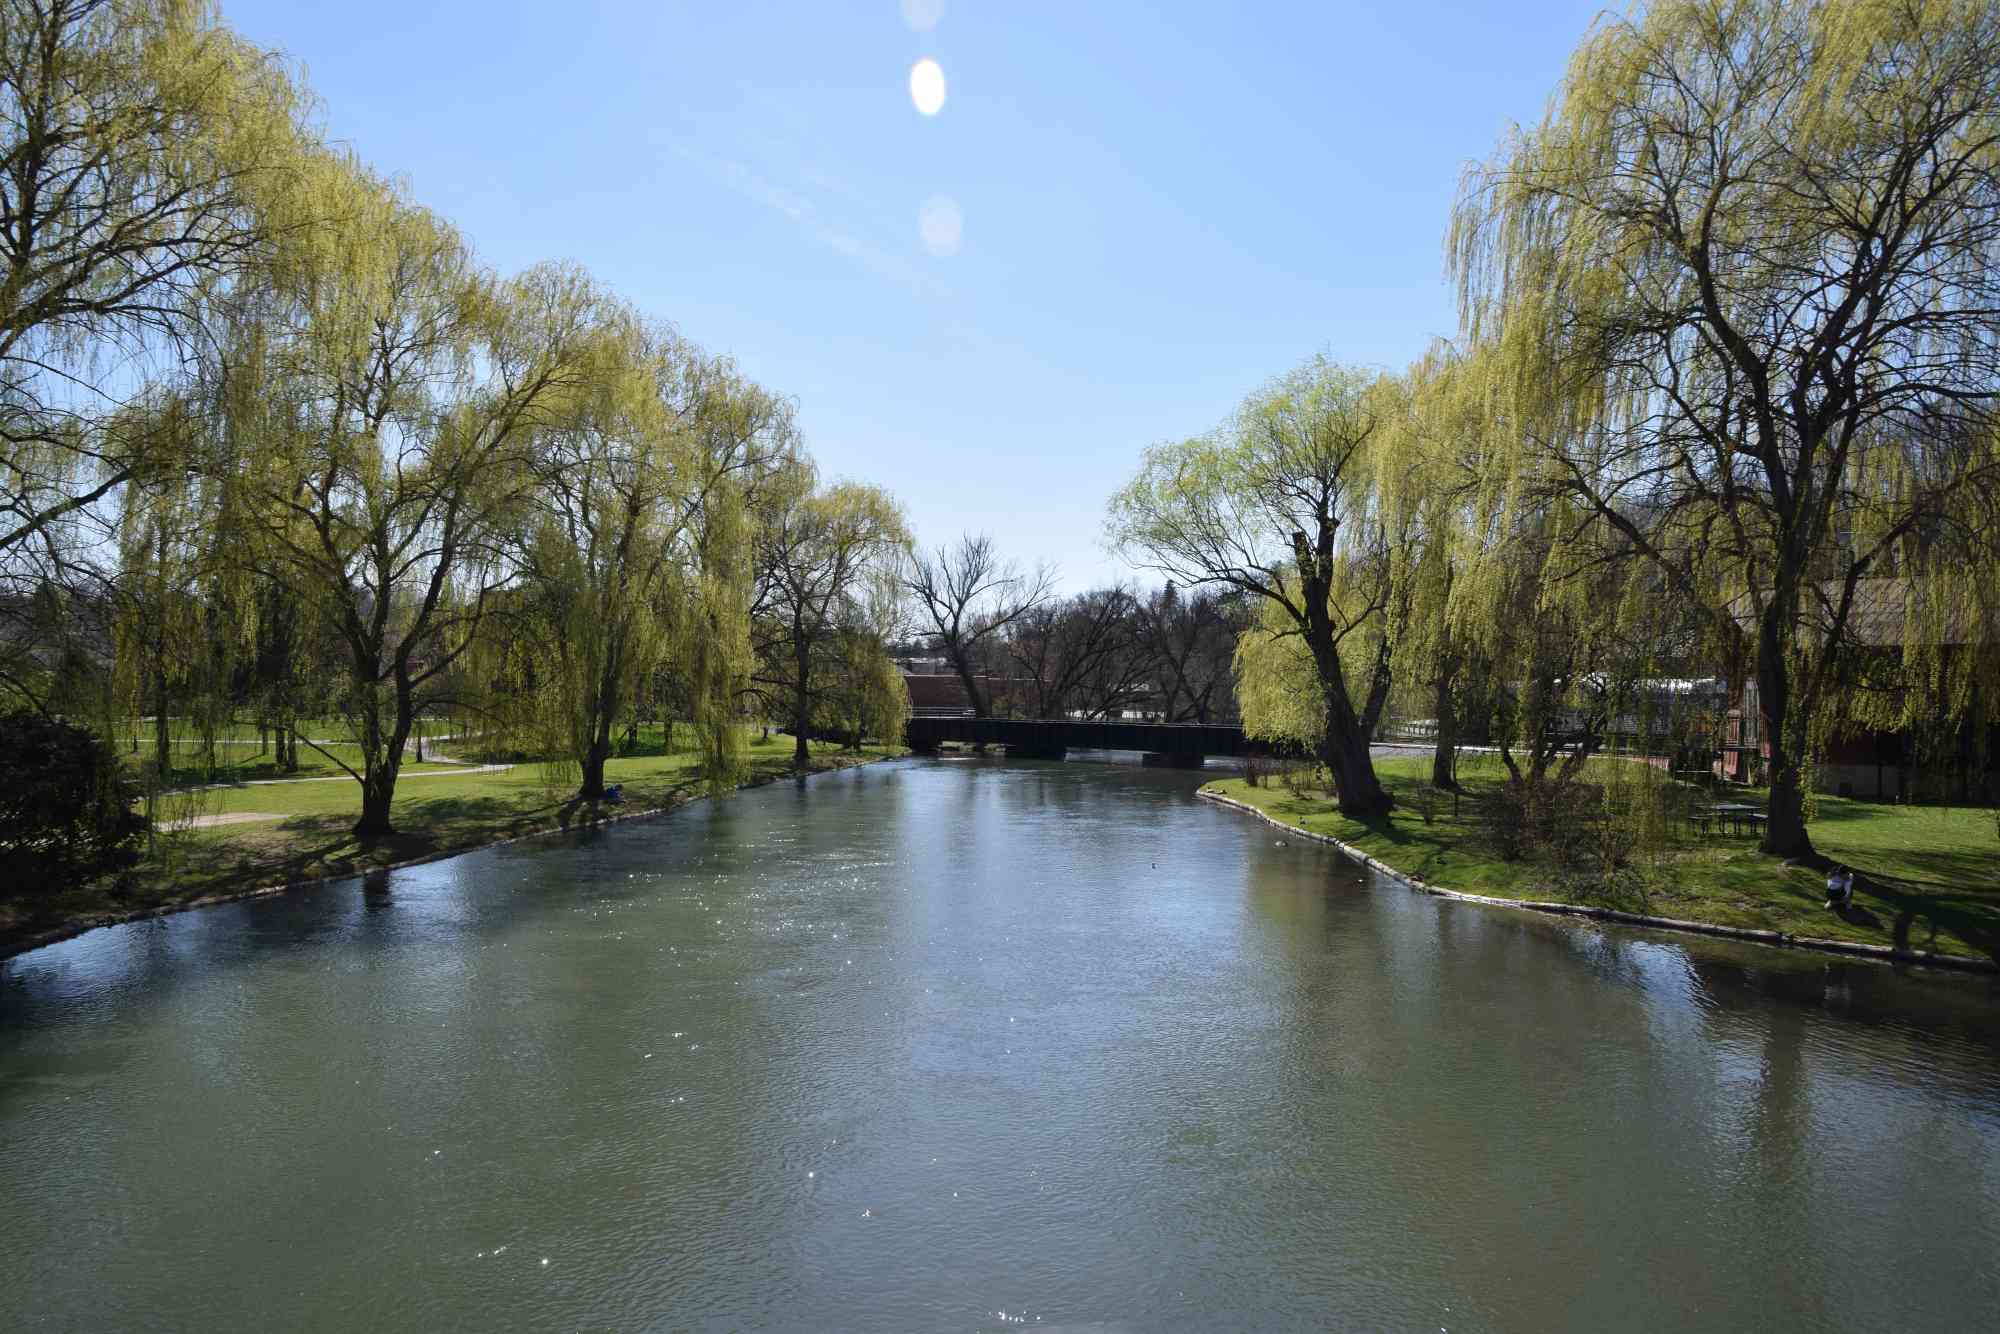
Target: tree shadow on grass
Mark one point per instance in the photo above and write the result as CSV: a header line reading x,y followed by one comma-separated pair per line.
x,y
324,846
1384,825
1855,915
1966,873
1844,810
1924,918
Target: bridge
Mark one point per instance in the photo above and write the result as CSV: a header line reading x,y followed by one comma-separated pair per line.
x,y
1184,745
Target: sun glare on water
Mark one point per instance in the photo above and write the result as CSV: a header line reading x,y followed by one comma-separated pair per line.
x,y
927,86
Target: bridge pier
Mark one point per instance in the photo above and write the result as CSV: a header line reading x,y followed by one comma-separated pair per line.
x,y
1157,759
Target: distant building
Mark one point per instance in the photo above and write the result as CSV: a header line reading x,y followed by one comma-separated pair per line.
x,y
1869,762
933,693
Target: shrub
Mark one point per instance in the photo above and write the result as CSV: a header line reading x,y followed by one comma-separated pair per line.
x,y
1574,825
1504,822
66,805
1301,779
1624,888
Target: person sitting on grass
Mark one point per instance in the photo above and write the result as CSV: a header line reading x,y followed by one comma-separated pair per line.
x,y
615,793
1839,886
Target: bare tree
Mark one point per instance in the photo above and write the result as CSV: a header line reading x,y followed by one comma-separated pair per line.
x,y
965,595
1081,654
1189,643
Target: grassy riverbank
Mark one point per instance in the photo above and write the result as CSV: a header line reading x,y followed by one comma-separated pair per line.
x,y
1932,875
281,833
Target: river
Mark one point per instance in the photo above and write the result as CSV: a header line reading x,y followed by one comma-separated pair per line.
x,y
970,1045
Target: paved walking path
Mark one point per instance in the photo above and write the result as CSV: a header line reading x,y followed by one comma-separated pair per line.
x,y
461,769
234,817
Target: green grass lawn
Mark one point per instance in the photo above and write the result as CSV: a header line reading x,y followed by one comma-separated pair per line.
x,y
255,768
239,735
242,756
310,836
1931,874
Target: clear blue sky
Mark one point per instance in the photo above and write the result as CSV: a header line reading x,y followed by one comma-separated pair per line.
x,y
1162,205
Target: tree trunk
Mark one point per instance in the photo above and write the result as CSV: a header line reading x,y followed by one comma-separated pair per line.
x,y
382,759
981,708
605,709
1344,749
1347,757
592,787
1353,770
378,790
1785,726
163,743
801,725
1444,758
1785,833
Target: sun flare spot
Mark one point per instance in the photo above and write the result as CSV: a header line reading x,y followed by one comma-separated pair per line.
x,y
941,225
927,86
922,15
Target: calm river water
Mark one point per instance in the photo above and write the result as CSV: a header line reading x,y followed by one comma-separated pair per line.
x,y
976,1045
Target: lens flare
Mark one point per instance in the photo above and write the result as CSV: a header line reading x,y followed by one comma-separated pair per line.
x,y
922,15
927,86
941,225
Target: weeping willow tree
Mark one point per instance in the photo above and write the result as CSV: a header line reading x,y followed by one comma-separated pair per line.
x,y
182,621
1282,507
603,561
143,146
1433,484
749,446
149,165
716,644
632,560
1277,684
1741,281
160,630
870,698
816,548
394,392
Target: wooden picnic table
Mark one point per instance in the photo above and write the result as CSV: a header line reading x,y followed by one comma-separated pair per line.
x,y
1737,813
